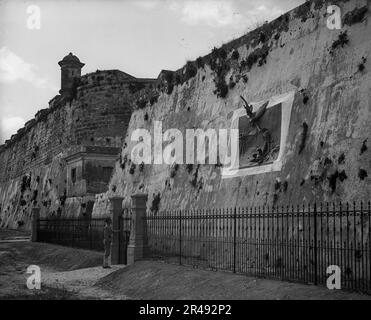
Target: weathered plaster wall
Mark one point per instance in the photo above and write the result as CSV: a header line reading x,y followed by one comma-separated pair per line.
x,y
333,98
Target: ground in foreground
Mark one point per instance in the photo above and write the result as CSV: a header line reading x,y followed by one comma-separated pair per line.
x,y
158,280
69,273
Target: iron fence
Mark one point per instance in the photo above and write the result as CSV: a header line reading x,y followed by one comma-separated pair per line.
x,y
80,232
287,243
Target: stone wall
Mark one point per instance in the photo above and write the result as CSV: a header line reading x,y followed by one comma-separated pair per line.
x,y
326,154
33,166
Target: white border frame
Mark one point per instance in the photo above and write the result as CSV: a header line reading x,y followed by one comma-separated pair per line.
x,y
286,101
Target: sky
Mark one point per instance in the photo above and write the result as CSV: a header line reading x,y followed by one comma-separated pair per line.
x,y
139,37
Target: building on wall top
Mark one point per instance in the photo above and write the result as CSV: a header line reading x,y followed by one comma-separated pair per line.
x,y
70,74
80,133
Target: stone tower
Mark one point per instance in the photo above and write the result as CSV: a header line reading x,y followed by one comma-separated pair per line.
x,y
70,74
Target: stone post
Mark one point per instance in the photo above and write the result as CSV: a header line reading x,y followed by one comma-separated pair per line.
x,y
34,223
138,238
116,212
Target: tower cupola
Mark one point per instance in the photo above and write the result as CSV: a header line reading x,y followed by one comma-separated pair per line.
x,y
70,74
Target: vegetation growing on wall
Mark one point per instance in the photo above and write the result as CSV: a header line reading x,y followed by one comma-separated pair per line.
x,y
355,16
303,137
141,102
258,56
26,183
155,203
341,159
221,87
200,62
154,98
364,147
190,71
189,167
334,176
305,97
169,78
194,178
361,66
232,83
362,174
174,170
304,11
123,161
235,55
341,41
132,168
220,66
218,62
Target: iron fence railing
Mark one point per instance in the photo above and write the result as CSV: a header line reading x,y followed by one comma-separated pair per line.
x,y
79,232
289,243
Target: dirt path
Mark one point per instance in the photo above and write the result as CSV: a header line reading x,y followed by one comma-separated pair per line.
x,y
82,282
158,280
15,257
68,273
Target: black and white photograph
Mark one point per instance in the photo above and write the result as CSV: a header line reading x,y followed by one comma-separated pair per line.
x,y
202,151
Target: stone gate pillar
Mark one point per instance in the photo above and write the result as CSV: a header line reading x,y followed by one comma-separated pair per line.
x,y
138,238
116,212
35,218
